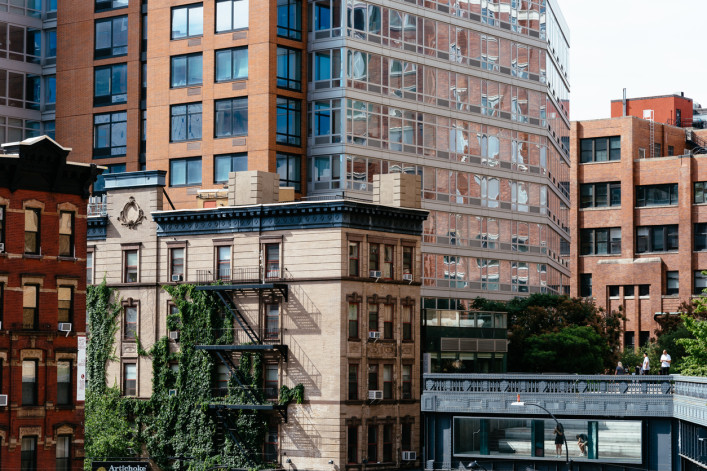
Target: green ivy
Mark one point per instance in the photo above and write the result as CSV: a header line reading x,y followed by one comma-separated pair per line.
x,y
288,395
174,425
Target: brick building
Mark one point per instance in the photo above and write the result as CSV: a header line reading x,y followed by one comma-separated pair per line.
x,y
42,304
639,227
329,290
668,109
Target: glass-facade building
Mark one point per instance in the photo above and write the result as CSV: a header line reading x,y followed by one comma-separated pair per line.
x,y
474,97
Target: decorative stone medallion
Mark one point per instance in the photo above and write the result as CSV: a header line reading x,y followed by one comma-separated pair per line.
x,y
131,215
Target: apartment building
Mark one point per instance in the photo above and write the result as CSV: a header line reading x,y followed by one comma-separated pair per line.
x,y
42,305
639,228
299,279
27,69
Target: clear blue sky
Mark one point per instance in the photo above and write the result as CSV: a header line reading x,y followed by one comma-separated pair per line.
x,y
650,47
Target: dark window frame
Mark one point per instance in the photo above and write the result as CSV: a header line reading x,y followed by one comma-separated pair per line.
x,y
115,118
407,381
30,388
35,310
672,282
177,265
590,243
191,117
112,97
354,259
699,236
232,25
698,275
289,109
373,317
113,50
232,158
372,443
187,174
388,442
589,147
589,195
288,59
388,384
188,8
64,389
238,108
407,314
3,223
353,382
129,389
107,5
187,70
644,199
70,310
352,444
28,458
128,269
286,29
63,463
130,327
71,236
37,250
232,51
700,187
669,238
353,315
585,285
292,170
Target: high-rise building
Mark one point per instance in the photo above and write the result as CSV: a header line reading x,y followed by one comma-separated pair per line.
x,y
471,95
639,235
27,69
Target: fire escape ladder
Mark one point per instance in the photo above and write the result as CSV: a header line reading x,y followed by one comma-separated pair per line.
x,y
237,315
226,421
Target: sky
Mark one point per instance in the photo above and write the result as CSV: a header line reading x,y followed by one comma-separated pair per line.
x,y
649,47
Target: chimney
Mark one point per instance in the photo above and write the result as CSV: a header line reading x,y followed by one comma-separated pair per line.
x,y
624,102
401,190
253,187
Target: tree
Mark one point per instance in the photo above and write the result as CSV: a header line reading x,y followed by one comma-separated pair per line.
x,y
695,360
572,350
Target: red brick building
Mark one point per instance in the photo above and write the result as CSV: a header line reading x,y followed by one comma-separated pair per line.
x,y
43,201
668,109
639,224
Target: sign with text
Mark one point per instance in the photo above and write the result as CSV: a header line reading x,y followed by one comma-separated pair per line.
x,y
81,370
120,466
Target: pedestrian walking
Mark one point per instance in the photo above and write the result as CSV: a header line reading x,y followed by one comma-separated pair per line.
x,y
646,367
620,369
665,361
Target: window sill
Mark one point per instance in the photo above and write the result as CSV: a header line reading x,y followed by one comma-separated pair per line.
x,y
657,253
231,136
600,208
602,162
657,206
185,140
65,258
33,256
182,87
226,31
185,186
602,255
110,56
240,79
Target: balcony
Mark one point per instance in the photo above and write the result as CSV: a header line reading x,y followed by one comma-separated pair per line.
x,y
239,275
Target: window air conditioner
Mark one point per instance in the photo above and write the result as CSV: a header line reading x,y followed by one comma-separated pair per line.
x,y
172,392
375,395
177,278
407,277
174,335
64,326
374,274
375,335
3,400
409,455
2,247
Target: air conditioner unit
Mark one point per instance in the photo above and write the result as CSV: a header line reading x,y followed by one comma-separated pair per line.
x,y
174,335
407,277
64,326
375,335
374,274
375,395
172,392
3,400
177,277
2,247
409,455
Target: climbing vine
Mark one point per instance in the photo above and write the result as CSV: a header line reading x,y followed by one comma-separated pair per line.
x,y
176,420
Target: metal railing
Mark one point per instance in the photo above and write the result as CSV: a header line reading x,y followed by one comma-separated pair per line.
x,y
239,275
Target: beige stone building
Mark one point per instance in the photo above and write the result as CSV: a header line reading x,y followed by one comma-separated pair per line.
x,y
335,282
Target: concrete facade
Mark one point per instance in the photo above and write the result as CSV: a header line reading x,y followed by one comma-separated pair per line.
x,y
632,277
330,360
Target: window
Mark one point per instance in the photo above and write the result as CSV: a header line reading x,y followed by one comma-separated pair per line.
x,y
585,285
672,282
599,195
600,149
130,325
63,383
30,311
186,70
388,261
656,238
700,236
352,444
65,296
29,382
289,19
223,262
32,233
130,270
644,290
271,381
372,377
110,134
49,91
353,382
186,122
225,164
629,291
187,21
63,453
407,382
372,444
354,265
388,321
272,260
176,263
353,320
387,381
231,15
289,169
629,340
66,234
28,455
270,451
372,317
700,282
658,150
130,379
613,291
231,117
657,195
111,37
408,260
601,241
223,376
289,128
272,321
102,5
289,68
2,226
110,85
387,443
700,192
406,437
374,257
407,321
232,64
185,172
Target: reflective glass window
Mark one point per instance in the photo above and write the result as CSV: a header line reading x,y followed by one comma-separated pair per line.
x,y
231,15
224,164
110,85
184,172
231,117
185,122
232,64
111,37
187,21
186,70
110,134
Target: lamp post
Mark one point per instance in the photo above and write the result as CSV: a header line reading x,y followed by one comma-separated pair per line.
x,y
557,423
475,465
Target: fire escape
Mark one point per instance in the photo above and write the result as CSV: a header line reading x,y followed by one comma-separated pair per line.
x,y
244,283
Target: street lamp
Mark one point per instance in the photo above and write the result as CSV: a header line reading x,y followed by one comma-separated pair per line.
x,y
476,465
557,423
